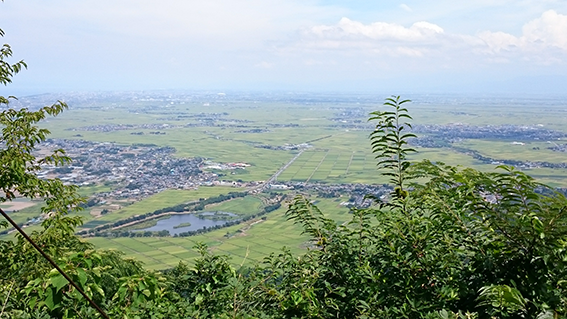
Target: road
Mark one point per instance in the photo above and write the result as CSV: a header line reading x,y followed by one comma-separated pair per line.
x,y
283,168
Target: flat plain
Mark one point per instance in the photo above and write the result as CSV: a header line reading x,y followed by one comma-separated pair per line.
x,y
331,138
234,131
245,243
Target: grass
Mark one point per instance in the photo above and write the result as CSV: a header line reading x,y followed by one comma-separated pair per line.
x,y
249,244
338,155
333,167
23,215
531,150
161,200
87,191
230,144
241,206
145,224
182,225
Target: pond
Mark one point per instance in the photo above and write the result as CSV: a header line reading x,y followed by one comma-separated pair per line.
x,y
193,219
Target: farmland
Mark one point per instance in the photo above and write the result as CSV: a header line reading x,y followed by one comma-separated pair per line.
x,y
318,140
233,131
248,242
163,199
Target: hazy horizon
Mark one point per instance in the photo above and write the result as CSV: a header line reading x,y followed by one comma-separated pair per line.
x,y
492,47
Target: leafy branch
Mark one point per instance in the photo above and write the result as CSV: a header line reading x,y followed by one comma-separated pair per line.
x,y
389,142
314,222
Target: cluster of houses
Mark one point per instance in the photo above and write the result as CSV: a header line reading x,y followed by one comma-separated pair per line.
x,y
121,127
286,147
359,194
508,132
134,171
558,147
224,166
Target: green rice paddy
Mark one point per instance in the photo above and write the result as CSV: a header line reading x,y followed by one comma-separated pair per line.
x,y
244,243
337,155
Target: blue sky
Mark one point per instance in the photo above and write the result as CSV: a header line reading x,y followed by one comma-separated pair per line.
x,y
331,45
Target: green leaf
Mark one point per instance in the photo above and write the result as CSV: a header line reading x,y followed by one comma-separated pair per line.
x,y
98,289
199,299
53,299
82,275
146,292
58,282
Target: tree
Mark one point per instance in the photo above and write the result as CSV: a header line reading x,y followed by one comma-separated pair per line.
x,y
30,286
19,138
389,142
455,243
20,135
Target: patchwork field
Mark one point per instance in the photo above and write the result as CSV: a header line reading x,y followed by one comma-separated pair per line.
x,y
242,206
232,131
333,137
333,167
248,243
17,205
164,199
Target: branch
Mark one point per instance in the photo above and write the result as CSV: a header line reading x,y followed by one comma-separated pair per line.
x,y
93,304
7,297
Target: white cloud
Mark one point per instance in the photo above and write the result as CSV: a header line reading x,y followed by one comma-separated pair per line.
x,y
375,39
347,29
543,40
406,7
184,43
549,30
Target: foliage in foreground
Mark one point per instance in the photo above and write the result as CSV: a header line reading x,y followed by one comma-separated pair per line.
x,y
461,244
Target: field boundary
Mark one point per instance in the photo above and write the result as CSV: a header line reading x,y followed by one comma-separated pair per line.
x,y
349,162
318,165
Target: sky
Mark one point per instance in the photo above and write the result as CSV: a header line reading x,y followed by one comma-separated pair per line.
x,y
496,46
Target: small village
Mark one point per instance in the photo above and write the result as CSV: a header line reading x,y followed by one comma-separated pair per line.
x,y
136,172
133,172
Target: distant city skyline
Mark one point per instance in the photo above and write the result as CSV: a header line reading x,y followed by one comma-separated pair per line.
x,y
498,46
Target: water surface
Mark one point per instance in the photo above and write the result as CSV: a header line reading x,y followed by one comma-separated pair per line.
x,y
193,218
